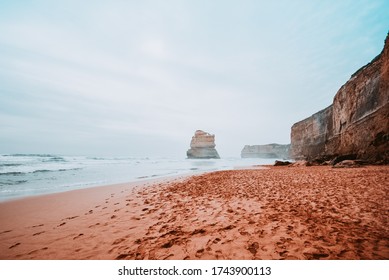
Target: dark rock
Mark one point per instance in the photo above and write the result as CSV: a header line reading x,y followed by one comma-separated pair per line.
x,y
301,163
347,163
281,163
342,158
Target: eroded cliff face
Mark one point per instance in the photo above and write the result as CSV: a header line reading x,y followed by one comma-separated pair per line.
x,y
308,137
357,123
266,151
202,145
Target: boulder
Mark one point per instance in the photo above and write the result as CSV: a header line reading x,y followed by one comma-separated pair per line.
x,y
281,163
347,163
301,163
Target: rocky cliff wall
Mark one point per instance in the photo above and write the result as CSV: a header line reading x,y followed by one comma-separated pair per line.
x,y
357,123
266,151
309,136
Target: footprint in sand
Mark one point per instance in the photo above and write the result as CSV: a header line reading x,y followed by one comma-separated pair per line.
x,y
122,256
38,233
71,218
92,226
283,253
35,251
198,231
217,240
253,248
169,244
199,253
228,227
242,231
315,256
41,225
289,229
13,246
219,254
78,236
168,256
118,241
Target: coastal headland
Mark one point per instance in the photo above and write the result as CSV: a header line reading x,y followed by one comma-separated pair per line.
x,y
316,212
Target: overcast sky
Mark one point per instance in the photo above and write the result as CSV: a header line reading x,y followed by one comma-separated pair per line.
x,y
137,78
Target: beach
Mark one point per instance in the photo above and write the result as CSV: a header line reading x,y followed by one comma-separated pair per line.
x,y
316,212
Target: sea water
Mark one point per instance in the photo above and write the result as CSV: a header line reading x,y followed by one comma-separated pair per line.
x,y
24,175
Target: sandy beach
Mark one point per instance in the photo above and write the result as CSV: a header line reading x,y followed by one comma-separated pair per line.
x,y
274,213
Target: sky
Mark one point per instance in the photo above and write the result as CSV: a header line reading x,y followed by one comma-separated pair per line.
x,y
138,78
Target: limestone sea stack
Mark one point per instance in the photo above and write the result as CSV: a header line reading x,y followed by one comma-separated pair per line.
x,y
202,146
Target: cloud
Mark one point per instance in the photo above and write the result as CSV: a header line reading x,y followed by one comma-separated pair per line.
x,y
159,71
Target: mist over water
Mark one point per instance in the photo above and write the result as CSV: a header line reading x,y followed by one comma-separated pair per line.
x,y
24,175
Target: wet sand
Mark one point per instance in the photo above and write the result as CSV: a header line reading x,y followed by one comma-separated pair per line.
x,y
275,213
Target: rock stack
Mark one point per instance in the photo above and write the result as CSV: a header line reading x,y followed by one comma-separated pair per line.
x,y
202,146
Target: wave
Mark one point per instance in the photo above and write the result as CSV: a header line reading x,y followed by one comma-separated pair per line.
x,y
42,157
10,183
9,164
29,155
17,173
41,171
56,170
156,175
12,173
96,158
55,159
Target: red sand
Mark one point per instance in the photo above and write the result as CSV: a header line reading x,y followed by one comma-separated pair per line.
x,y
276,213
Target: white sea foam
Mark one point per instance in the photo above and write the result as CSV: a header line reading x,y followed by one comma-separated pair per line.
x,y
26,175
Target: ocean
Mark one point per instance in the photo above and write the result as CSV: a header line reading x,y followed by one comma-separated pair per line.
x,y
23,175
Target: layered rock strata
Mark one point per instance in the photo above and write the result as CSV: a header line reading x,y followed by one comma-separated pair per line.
x,y
356,124
202,146
266,151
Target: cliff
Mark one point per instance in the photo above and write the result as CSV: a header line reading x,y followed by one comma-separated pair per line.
x,y
266,151
202,146
356,124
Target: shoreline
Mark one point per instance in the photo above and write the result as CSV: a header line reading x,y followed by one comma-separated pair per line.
x,y
144,180
20,183
133,183
274,213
